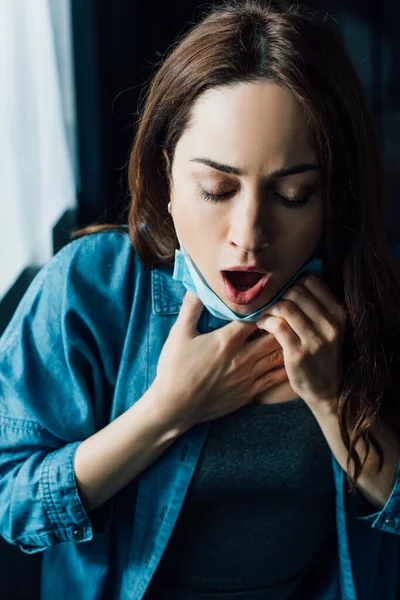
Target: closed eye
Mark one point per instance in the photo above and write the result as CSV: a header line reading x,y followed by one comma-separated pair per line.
x,y
293,203
214,197
282,199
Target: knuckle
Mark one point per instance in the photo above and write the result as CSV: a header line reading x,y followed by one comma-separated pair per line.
x,y
276,357
311,278
290,308
332,332
294,292
317,345
222,349
281,325
235,363
224,340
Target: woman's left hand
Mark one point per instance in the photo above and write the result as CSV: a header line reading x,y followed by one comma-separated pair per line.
x,y
309,322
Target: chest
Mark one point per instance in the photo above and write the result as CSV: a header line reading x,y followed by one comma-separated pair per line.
x,y
277,394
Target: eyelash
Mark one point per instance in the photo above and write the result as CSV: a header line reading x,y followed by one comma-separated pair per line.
x,y
215,198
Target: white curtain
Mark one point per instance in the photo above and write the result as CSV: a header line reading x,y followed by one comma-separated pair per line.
x,y
38,164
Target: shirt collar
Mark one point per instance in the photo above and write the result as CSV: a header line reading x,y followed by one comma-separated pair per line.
x,y
167,296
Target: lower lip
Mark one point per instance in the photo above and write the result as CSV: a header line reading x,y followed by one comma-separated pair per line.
x,y
246,296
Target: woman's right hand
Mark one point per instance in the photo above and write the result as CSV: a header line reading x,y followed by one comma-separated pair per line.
x,y
202,377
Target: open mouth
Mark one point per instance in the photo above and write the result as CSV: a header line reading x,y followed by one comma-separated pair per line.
x,y
242,287
243,280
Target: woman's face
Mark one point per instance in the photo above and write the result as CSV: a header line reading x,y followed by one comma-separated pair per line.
x,y
240,138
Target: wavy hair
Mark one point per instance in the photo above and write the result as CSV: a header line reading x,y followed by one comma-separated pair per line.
x,y
302,51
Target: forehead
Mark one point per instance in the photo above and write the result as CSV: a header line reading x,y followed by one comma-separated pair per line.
x,y
248,122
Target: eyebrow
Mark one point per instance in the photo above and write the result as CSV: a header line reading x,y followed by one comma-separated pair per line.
x,y
301,168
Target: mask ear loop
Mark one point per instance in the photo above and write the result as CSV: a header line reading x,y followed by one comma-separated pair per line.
x,y
318,252
169,210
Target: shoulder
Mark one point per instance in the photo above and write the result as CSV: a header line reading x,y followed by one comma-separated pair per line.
x,y
98,254
94,258
66,338
86,278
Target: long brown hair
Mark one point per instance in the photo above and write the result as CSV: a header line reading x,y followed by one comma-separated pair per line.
x,y
301,50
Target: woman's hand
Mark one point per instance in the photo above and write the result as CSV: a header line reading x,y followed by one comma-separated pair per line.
x,y
202,377
309,322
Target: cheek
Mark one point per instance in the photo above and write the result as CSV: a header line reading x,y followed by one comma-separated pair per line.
x,y
299,234
308,221
306,236
315,227
197,222
204,241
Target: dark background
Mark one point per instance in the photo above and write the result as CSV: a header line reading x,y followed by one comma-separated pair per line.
x,y
116,44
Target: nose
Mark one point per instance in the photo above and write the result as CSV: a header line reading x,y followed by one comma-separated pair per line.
x,y
248,230
246,249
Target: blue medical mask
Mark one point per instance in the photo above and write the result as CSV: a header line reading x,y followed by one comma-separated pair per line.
x,y
188,274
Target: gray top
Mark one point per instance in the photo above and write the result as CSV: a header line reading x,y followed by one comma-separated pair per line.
x,y
259,512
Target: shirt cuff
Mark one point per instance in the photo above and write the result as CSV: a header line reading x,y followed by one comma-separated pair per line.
x,y
385,519
69,521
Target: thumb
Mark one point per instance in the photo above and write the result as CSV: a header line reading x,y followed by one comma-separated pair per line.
x,y
190,312
241,330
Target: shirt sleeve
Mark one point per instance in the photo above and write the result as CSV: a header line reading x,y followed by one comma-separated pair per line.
x,y
58,363
385,519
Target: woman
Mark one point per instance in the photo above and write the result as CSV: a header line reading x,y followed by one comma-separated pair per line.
x,y
175,426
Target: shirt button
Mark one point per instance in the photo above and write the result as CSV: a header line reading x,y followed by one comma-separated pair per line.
x,y
389,522
78,534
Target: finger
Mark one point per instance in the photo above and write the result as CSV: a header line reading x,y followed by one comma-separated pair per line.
x,y
239,330
262,341
283,331
322,321
306,301
190,312
269,362
325,297
273,352
316,314
269,379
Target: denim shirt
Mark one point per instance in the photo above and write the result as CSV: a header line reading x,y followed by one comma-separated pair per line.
x,y
81,348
